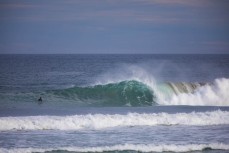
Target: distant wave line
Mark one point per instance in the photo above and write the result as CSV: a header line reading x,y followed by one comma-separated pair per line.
x,y
128,147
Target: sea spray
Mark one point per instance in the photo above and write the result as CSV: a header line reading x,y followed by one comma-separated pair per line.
x,y
128,73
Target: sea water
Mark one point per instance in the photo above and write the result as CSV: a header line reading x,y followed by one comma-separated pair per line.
x,y
114,103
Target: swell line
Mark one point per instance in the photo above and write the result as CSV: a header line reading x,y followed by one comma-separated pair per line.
x,y
128,147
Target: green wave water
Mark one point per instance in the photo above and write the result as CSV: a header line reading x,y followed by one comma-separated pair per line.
x,y
125,93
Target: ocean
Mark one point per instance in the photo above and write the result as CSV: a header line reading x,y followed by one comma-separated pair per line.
x,y
114,103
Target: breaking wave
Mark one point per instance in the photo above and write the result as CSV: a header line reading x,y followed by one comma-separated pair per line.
x,y
136,93
101,121
128,147
133,93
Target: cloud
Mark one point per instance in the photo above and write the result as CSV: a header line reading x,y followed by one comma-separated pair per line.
x,y
111,12
217,44
57,12
9,6
14,47
220,46
190,3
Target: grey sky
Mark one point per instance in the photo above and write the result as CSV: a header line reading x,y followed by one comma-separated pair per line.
x,y
114,26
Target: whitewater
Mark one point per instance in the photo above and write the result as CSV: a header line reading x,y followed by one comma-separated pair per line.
x,y
114,103
101,121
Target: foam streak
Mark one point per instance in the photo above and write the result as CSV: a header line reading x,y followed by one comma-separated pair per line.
x,y
100,121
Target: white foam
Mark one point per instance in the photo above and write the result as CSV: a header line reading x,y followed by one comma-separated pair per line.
x,y
100,121
134,147
216,94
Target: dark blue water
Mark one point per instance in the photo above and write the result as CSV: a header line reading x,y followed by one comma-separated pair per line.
x,y
41,72
122,103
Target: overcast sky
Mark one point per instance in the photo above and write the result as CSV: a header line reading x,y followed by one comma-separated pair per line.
x,y
114,26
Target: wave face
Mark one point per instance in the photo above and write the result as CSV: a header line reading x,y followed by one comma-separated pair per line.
x,y
128,148
125,93
101,121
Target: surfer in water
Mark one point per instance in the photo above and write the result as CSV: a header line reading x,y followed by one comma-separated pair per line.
x,y
40,100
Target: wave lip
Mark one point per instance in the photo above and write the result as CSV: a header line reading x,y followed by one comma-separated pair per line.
x,y
129,147
101,121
